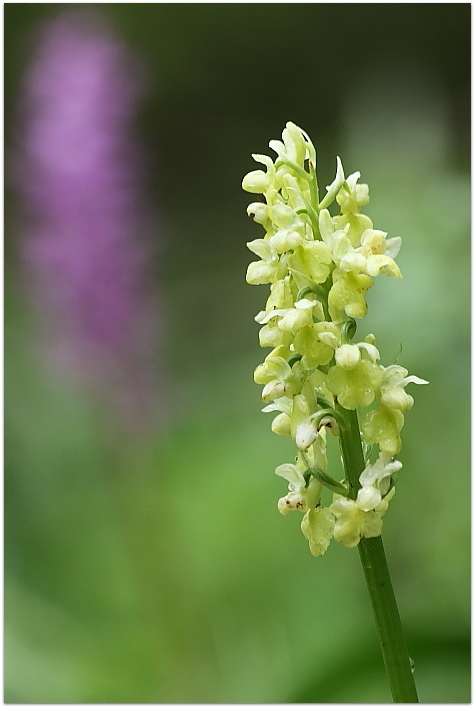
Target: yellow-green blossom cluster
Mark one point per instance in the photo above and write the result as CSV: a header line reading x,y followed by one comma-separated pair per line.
x,y
319,268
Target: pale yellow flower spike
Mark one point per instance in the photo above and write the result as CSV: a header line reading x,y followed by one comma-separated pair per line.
x,y
319,268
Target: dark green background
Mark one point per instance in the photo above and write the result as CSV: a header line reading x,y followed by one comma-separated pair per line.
x,y
155,568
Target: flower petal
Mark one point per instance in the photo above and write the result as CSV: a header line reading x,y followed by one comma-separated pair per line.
x,y
293,476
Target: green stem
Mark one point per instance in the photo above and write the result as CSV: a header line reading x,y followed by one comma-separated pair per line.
x,y
388,622
373,559
351,450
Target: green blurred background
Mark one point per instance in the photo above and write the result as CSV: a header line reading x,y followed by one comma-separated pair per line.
x,y
155,567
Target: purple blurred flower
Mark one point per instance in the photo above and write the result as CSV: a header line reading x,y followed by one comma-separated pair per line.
x,y
80,177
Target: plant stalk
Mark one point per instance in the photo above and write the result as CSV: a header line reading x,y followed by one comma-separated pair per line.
x,y
376,572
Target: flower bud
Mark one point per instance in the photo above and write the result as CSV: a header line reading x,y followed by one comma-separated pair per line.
x,y
256,182
347,356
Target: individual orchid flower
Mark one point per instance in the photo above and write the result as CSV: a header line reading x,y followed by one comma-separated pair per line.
x,y
258,181
295,146
271,336
393,395
300,497
317,343
285,240
352,523
291,190
352,196
281,423
355,387
276,375
337,240
284,217
349,355
312,259
269,269
347,294
259,212
382,426
375,480
375,255
374,242
293,318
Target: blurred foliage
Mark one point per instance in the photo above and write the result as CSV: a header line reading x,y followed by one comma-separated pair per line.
x,y
155,568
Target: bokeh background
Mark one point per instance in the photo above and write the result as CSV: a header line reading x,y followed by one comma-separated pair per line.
x,y
145,558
